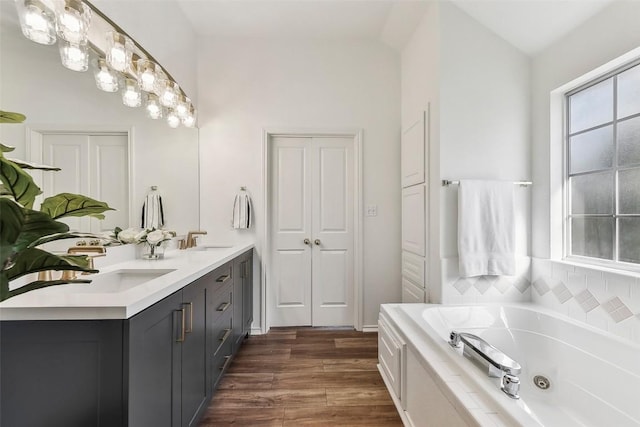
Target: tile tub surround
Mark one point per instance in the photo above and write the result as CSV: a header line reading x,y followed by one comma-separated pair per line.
x,y
604,299
68,302
483,289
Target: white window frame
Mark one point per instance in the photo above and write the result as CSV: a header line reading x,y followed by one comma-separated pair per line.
x,y
559,192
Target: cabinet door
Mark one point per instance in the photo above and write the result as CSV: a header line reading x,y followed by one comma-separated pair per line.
x,y
195,389
414,219
238,288
412,152
247,294
155,360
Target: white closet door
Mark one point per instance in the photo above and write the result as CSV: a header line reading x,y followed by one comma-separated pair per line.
x,y
71,154
290,288
412,152
414,219
332,219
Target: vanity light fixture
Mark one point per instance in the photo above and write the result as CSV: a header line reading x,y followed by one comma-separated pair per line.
x,y
147,74
169,91
153,107
131,95
182,106
119,51
172,119
190,119
73,18
37,20
74,56
106,78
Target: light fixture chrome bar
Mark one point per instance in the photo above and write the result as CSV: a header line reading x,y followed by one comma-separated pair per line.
x,y
446,183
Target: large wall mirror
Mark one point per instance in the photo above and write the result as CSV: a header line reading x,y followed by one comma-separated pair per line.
x,y
106,149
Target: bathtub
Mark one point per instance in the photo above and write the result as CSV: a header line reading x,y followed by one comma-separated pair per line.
x,y
594,377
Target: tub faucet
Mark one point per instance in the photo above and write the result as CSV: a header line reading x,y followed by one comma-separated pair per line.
x,y
499,364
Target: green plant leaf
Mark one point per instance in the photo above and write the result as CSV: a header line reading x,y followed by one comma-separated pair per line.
x,y
9,117
67,204
6,148
18,183
39,285
32,260
30,165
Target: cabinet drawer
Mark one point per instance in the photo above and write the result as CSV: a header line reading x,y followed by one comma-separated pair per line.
x,y
220,362
222,276
222,332
390,354
413,268
222,302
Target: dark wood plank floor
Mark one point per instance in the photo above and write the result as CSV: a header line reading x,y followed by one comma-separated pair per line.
x,y
304,376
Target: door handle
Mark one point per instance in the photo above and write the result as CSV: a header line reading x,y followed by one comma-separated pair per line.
x,y
317,242
189,329
306,241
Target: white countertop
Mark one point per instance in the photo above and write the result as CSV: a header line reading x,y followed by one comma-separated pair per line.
x,y
97,301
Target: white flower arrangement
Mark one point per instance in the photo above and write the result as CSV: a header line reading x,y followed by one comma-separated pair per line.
x,y
134,235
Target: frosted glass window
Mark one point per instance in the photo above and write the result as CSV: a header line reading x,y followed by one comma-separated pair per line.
x,y
629,250
629,142
592,150
592,237
592,193
629,92
591,107
629,190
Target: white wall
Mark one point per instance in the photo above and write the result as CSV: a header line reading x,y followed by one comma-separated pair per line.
x,y
601,39
248,85
33,82
163,30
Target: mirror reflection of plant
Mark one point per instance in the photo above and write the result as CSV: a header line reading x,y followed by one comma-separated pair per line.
x,y
23,229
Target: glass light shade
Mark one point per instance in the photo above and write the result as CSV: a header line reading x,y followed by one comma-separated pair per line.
x,y
74,56
183,106
37,21
147,73
154,109
169,93
131,95
119,51
172,119
73,19
106,78
190,119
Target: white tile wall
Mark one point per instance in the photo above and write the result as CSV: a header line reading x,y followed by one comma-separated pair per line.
x,y
605,300
458,290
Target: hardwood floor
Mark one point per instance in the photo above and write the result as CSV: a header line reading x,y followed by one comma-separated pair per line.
x,y
304,376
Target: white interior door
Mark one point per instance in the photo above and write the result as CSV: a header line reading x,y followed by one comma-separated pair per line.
x,y
311,199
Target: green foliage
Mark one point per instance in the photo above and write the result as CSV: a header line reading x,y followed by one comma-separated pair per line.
x,y
22,228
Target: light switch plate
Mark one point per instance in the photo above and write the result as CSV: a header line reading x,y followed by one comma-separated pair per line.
x,y
372,210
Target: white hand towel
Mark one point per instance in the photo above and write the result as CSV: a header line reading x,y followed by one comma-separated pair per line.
x,y
242,210
152,211
486,228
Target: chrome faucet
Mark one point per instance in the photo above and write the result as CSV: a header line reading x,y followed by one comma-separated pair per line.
x,y
191,241
499,364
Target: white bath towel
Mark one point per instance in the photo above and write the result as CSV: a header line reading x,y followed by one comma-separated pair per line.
x,y
486,228
242,210
152,211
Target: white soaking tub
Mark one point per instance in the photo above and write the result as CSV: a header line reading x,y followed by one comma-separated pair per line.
x,y
594,377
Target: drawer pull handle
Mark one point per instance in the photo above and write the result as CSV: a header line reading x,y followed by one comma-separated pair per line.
x,y
223,278
224,306
182,330
190,305
227,360
224,337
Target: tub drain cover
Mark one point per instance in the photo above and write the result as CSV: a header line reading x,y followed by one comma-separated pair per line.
x,y
541,382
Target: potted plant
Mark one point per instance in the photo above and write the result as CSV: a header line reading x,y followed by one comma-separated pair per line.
x,y
23,229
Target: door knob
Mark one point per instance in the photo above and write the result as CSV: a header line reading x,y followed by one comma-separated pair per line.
x,y
317,242
307,241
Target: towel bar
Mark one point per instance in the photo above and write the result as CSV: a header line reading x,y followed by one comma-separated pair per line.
x,y
446,183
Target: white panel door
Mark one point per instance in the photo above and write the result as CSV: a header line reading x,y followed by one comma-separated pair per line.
x,y
412,152
414,219
332,219
311,231
290,290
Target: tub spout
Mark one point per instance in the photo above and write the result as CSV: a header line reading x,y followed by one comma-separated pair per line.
x,y
499,364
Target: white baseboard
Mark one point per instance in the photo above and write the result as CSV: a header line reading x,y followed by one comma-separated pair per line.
x,y
370,328
255,331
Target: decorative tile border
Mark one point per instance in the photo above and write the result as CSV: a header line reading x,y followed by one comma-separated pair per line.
x,y
605,300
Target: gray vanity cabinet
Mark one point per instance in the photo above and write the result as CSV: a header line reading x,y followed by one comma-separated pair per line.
x,y
243,298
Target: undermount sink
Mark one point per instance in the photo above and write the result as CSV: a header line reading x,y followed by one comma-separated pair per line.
x,y
209,248
120,280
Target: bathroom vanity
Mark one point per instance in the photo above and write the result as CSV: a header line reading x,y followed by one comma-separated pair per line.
x,y
145,345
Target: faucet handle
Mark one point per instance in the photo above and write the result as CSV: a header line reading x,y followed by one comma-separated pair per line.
x,y
511,386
